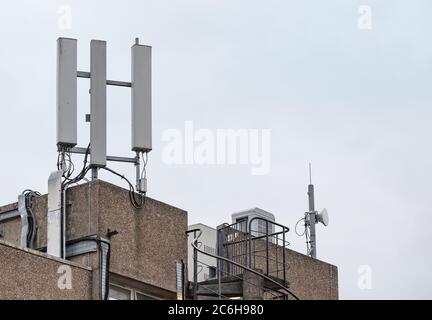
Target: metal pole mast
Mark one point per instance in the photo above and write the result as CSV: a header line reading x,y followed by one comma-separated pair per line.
x,y
312,215
312,222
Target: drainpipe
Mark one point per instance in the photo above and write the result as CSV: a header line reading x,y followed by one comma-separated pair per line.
x,y
63,222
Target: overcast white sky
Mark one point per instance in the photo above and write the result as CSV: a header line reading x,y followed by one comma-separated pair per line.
x,y
356,103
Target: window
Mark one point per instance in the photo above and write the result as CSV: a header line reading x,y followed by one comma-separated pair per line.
x,y
242,224
119,293
180,280
209,249
142,296
262,227
212,272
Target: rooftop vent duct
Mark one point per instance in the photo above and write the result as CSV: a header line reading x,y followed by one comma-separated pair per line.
x,y
54,228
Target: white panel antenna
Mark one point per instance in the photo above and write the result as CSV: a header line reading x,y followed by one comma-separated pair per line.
x,y
66,92
67,75
98,103
67,104
141,98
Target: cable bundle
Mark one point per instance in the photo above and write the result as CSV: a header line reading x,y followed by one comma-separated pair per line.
x,y
138,204
64,160
305,233
29,195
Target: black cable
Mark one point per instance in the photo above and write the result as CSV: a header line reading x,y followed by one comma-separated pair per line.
x,y
32,222
63,157
68,181
82,173
70,168
64,161
295,228
99,242
132,194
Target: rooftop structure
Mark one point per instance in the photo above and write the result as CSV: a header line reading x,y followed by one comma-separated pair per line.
x,y
144,247
95,240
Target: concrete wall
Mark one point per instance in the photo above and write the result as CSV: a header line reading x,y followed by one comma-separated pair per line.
x,y
149,240
29,274
309,279
145,249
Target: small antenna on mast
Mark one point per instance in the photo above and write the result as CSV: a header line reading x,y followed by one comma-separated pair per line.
x,y
310,173
312,217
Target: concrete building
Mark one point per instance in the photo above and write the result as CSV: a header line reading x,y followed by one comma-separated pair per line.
x,y
115,244
262,248
206,265
117,251
145,247
258,226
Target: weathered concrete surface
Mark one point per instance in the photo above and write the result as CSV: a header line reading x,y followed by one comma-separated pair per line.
x,y
28,274
309,279
252,286
152,239
149,240
312,279
9,207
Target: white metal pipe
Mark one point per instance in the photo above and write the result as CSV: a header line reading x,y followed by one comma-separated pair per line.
x,y
54,218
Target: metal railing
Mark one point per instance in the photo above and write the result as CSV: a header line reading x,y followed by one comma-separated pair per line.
x,y
275,295
236,261
273,240
258,243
